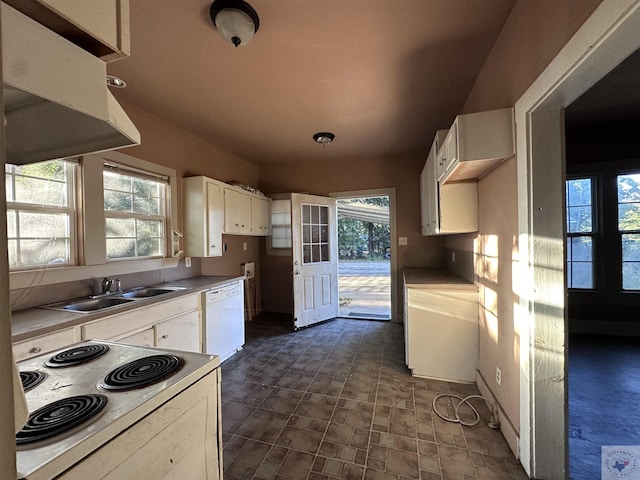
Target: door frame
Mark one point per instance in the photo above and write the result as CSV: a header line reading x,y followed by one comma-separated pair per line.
x,y
391,193
603,42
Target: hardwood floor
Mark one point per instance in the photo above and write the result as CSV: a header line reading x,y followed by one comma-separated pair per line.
x,y
604,398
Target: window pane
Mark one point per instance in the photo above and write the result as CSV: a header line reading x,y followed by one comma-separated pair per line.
x,y
43,225
580,262
149,228
628,202
121,247
117,201
120,227
42,183
579,205
579,219
581,249
631,275
44,252
581,275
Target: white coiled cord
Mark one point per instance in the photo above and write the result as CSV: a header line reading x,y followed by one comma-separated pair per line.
x,y
464,401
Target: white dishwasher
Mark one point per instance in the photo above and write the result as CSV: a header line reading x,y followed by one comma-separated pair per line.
x,y
223,308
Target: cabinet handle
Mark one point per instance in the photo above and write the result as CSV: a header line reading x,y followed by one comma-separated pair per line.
x,y
35,350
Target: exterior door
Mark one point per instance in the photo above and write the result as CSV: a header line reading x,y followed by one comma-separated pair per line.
x,y
315,259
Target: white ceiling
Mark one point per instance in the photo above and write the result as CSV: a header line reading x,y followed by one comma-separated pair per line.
x,y
382,75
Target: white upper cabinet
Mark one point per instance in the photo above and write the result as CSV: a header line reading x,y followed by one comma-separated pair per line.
x,y
237,212
260,216
203,216
450,208
475,144
99,27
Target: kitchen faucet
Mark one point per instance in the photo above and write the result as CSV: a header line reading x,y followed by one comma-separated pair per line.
x,y
106,285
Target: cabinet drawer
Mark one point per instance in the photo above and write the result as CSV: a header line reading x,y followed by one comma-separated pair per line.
x,y
118,325
143,338
45,343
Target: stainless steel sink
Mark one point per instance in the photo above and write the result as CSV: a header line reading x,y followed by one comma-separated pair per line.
x,y
149,292
90,304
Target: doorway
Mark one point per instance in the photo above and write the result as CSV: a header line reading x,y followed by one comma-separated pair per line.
x,y
366,265
364,257
607,38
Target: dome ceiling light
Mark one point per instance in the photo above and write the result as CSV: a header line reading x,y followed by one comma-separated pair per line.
x,y
324,138
236,20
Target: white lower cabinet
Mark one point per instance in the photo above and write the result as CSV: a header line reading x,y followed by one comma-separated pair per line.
x,y
172,324
179,333
45,343
441,332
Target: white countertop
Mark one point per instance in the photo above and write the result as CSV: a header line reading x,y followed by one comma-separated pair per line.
x,y
33,322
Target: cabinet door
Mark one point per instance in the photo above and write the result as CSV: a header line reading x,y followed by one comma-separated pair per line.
x,y
215,215
180,333
259,216
237,212
203,216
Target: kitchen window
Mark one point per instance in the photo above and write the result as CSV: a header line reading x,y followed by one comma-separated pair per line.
x,y
134,208
279,242
41,214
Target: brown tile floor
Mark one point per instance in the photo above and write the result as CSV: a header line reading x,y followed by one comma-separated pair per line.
x,y
337,401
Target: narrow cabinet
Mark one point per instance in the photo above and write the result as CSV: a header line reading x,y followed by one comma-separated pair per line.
x,y
237,212
203,216
260,216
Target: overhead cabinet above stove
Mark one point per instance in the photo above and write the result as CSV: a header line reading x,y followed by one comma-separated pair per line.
x,y
476,143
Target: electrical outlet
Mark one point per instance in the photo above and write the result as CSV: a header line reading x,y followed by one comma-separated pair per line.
x,y
453,257
402,240
187,262
244,245
498,376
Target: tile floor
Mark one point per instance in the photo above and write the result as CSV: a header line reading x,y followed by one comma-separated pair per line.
x,y
336,401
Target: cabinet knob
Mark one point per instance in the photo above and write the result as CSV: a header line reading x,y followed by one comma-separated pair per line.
x,y
165,336
35,350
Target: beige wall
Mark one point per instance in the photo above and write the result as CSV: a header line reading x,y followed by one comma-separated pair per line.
x,y
403,173
532,36
170,145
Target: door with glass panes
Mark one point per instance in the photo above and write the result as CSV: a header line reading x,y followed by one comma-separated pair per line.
x,y
315,259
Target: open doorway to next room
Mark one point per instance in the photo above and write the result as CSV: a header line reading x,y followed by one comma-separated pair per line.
x,y
364,257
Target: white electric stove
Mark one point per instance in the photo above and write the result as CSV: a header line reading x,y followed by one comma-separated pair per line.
x,y
104,410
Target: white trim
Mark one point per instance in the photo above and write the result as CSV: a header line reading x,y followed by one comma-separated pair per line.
x,y
391,193
603,41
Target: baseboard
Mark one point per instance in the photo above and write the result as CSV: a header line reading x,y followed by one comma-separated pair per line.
x,y
509,431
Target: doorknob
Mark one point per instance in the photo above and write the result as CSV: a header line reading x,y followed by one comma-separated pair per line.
x,y
297,272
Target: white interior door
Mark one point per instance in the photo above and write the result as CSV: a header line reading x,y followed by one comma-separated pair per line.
x,y
315,259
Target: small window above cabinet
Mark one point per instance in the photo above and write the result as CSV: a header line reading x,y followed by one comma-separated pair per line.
x,y
475,144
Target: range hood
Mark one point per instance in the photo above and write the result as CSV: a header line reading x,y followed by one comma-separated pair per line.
x,y
56,99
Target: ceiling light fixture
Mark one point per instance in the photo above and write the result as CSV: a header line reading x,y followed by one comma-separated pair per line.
x,y
236,20
115,82
324,138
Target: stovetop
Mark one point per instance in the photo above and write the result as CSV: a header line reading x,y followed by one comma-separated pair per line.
x,y
120,406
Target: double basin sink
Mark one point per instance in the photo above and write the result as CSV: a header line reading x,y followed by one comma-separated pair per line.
x,y
101,302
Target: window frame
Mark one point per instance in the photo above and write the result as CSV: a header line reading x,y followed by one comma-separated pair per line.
x,y
593,234
162,216
90,227
621,233
71,210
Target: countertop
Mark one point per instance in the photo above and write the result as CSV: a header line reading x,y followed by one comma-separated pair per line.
x,y
436,278
32,322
